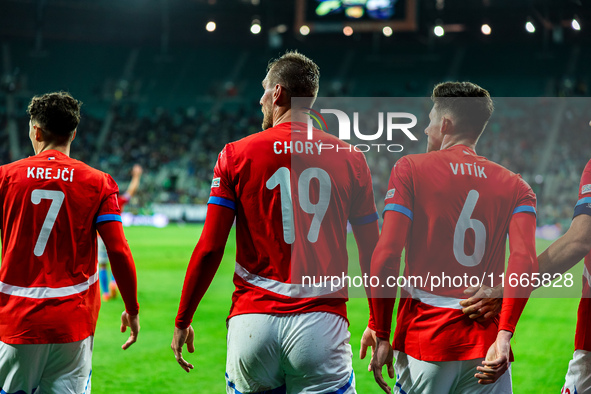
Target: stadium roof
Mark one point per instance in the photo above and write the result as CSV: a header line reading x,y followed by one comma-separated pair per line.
x,y
148,22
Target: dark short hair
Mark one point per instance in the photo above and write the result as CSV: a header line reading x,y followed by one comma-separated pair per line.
x,y
295,72
57,113
470,104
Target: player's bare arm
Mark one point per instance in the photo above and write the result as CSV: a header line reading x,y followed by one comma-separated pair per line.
x,y
368,340
484,303
496,362
569,249
179,339
136,174
383,355
133,322
203,265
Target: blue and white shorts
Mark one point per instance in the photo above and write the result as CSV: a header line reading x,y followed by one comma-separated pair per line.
x,y
46,368
416,377
578,377
288,354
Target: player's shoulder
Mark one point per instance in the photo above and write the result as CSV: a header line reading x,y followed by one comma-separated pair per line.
x,y
245,144
505,172
6,168
91,175
585,183
91,171
412,160
510,179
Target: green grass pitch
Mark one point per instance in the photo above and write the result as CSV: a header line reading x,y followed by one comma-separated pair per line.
x,y
543,343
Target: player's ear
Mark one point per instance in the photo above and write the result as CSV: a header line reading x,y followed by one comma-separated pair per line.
x,y
280,95
447,126
73,135
39,137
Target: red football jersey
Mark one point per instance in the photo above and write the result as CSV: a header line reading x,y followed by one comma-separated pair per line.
x,y
583,206
292,200
460,205
49,207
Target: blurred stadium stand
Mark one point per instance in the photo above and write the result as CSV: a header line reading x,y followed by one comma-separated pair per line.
x,y
160,91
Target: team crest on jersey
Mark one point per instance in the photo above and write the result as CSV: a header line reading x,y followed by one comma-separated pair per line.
x,y
586,189
215,182
390,193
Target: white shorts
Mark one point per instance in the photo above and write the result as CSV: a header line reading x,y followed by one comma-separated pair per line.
x,y
578,377
49,368
426,377
103,257
295,353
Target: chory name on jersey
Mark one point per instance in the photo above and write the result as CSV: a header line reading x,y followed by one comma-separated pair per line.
x,y
65,174
288,147
468,169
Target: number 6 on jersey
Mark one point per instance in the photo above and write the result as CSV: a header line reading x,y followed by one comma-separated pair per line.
x,y
465,222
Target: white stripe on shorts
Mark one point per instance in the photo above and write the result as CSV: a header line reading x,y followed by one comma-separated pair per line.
x,y
293,290
47,292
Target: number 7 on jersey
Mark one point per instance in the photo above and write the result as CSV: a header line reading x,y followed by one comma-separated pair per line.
x,y
57,199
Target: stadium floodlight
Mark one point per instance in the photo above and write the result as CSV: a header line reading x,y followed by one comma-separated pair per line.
x,y
530,27
387,30
485,29
348,31
438,30
210,26
255,28
575,24
304,30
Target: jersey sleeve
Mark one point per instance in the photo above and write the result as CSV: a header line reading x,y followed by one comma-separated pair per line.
x,y
400,196
526,201
583,206
363,206
522,256
222,186
109,209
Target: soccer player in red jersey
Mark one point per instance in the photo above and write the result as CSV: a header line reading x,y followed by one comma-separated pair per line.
x,y
451,210
108,284
561,256
51,207
291,200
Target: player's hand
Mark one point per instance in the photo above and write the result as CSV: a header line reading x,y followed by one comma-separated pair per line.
x,y
133,322
178,340
485,302
136,170
382,355
368,339
497,359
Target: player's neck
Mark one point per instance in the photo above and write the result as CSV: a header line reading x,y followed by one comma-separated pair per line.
x,y
282,117
65,149
292,116
451,140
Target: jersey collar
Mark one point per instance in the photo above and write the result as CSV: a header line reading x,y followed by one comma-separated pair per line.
x,y
464,148
50,153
